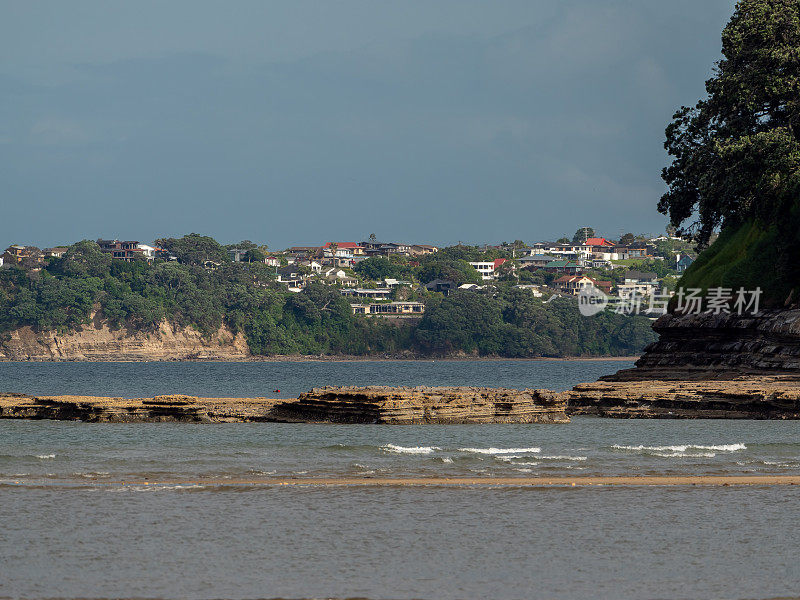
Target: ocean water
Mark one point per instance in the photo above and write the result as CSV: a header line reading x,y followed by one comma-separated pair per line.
x,y
178,528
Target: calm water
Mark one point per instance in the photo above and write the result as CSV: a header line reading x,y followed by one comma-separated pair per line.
x,y
69,529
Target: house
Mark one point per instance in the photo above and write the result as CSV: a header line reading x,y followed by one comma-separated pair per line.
x,y
640,283
563,266
682,262
535,261
422,249
599,241
272,261
488,269
638,250
573,284
392,283
290,274
389,309
122,250
56,252
16,254
444,286
385,249
371,293
349,249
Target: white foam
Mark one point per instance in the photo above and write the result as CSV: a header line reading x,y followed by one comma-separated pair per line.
x,y
685,455
501,450
410,449
45,456
447,459
564,457
683,448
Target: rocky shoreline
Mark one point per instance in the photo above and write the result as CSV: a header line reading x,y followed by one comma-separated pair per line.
x,y
421,405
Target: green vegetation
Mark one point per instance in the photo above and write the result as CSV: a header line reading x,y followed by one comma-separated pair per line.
x,y
736,156
245,297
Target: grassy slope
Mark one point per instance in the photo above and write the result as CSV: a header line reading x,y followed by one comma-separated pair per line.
x,y
743,256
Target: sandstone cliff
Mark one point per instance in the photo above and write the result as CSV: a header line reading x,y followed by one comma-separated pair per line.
x,y
378,404
97,341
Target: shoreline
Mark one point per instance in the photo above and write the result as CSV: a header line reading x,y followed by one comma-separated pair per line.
x,y
326,359
534,482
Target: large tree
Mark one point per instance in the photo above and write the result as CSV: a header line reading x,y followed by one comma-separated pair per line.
x,y
736,153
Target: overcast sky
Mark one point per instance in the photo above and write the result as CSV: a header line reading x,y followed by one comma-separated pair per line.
x,y
302,122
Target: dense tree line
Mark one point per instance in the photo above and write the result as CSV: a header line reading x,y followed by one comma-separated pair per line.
x,y
244,296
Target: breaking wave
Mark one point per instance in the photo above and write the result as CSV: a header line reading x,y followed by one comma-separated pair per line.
x,y
681,449
501,450
394,448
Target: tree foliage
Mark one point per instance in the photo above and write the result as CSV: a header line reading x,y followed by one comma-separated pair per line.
x,y
736,153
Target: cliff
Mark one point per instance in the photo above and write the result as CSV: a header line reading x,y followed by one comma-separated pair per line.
x,y
97,341
707,366
704,345
378,404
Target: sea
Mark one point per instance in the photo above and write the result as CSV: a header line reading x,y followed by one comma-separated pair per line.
x,y
159,511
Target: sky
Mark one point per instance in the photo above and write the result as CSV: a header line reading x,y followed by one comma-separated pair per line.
x,y
300,122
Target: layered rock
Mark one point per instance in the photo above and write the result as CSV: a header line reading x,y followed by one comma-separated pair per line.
x,y
706,366
174,408
705,345
412,405
98,342
742,398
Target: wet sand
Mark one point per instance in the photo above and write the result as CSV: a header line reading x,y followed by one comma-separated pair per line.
x,y
612,480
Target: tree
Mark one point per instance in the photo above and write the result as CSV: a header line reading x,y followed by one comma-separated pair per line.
x,y
626,239
736,153
583,234
563,240
195,249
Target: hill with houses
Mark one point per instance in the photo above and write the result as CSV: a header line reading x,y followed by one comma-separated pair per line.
x,y
359,298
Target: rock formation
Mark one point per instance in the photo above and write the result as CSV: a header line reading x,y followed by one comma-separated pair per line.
x,y
707,366
334,405
95,409
407,405
97,341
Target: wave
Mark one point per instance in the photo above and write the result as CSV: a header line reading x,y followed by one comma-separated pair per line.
x,y
683,448
395,449
501,450
564,457
44,456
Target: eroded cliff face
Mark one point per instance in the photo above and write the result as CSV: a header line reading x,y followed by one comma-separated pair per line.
x,y
706,366
705,345
97,341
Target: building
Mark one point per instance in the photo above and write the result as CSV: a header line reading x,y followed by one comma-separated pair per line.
x,y
371,293
389,309
488,269
535,261
573,284
640,283
443,286
683,262
121,250
563,266
56,252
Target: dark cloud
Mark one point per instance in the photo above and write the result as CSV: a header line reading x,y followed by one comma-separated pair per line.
x,y
523,122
